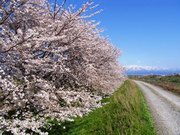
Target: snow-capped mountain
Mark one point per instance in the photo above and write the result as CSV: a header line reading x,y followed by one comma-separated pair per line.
x,y
147,70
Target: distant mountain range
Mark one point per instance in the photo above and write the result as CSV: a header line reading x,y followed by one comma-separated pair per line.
x,y
147,70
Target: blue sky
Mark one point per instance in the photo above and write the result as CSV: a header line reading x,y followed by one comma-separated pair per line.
x,y
146,31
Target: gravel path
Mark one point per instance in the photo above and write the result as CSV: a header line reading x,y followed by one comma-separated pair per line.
x,y
165,107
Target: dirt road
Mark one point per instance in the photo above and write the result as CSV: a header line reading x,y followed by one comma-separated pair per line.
x,y
165,107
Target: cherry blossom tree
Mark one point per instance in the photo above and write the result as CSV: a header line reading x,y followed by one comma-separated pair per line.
x,y
54,63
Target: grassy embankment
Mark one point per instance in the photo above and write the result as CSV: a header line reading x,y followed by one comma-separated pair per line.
x,y
171,83
125,114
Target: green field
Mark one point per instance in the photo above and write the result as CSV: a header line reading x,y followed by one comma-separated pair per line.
x,y
171,82
125,113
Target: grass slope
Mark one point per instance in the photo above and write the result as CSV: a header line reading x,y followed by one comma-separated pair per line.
x,y
125,114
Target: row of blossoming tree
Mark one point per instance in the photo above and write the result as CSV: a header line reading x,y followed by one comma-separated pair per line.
x,y
53,63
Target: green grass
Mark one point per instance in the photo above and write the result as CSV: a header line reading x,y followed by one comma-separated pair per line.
x,y
125,114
